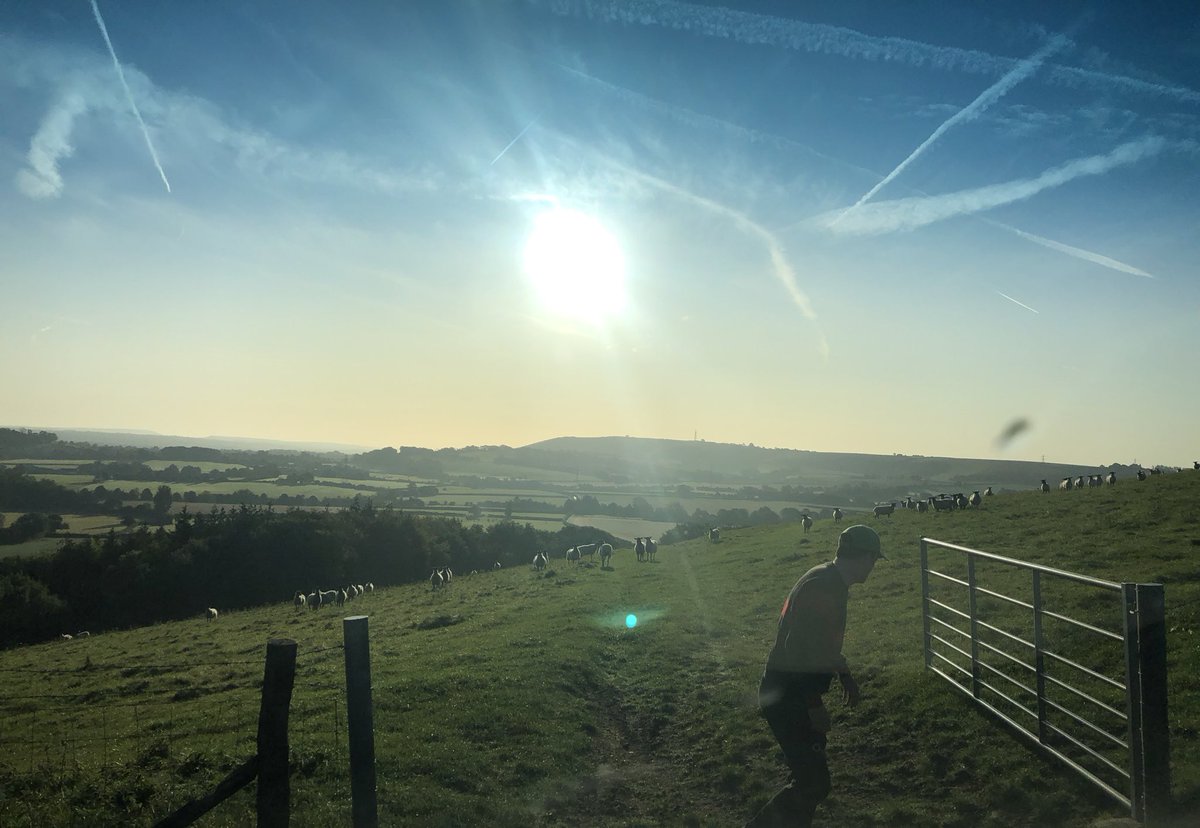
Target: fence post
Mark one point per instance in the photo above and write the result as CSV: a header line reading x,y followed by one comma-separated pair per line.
x,y
360,719
1137,780
974,626
925,642
274,791
1152,680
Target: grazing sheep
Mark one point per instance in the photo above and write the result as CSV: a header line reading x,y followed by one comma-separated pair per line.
x,y
922,506
943,503
837,515
573,555
651,548
885,509
436,580
65,637
588,549
807,522
1195,465
606,551
327,597
448,574
298,600
342,598
370,586
1045,487
539,561
313,600
714,535
211,613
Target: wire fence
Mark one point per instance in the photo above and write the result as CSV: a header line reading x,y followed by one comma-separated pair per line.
x,y
172,717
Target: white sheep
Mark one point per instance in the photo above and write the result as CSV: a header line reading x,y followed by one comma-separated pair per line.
x,y
573,555
975,499
211,613
65,637
313,600
1044,487
606,551
539,561
838,514
496,565
327,597
298,600
82,634
1065,485
987,492
1111,478
884,510
807,522
651,548
370,586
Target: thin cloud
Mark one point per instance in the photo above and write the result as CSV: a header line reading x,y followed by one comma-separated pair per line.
x,y
129,95
968,113
1077,252
911,213
1015,302
50,145
819,38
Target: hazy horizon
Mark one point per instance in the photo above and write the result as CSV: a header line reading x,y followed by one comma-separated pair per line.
x,y
857,228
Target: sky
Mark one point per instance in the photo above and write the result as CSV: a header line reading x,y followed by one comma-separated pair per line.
x,y
929,228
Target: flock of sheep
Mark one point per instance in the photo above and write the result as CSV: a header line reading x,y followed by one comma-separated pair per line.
x,y
327,597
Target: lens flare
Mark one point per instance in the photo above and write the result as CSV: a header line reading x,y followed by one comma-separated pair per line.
x,y
631,621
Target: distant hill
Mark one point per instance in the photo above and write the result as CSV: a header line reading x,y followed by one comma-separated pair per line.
x,y
150,439
642,459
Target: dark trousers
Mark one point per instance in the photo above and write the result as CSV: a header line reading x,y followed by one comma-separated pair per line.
x,y
785,707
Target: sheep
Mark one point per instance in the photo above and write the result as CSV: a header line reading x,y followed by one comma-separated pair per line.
x,y
961,501
448,574
436,580
1065,484
588,549
1045,487
573,555
943,503
370,586
342,598
539,561
837,515
639,548
298,600
65,637
714,535
922,506
327,596
83,634
496,566
1141,475
1111,478
975,499
1079,482
1196,465
807,522
884,509
211,613
606,551
987,492
313,600
651,548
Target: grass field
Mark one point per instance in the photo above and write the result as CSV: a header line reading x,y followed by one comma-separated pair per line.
x,y
542,707
625,528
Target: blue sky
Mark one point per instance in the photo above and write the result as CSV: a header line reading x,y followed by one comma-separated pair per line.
x,y
844,227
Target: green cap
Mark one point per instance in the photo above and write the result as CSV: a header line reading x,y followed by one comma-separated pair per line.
x,y
860,540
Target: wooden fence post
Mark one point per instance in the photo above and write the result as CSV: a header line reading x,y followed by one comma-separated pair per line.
x,y
274,791
360,718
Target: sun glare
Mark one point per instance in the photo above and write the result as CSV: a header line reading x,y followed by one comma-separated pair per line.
x,y
575,265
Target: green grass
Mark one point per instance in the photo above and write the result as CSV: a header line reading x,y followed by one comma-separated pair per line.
x,y
542,708
627,528
30,548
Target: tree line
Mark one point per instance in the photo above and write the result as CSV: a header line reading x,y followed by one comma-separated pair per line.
x,y
245,557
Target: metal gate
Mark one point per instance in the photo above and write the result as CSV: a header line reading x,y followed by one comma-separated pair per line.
x,y
1073,663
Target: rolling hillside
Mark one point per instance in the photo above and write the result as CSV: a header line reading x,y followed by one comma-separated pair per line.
x,y
540,705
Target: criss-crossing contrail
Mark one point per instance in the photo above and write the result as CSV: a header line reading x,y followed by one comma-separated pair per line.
x,y
968,113
1015,302
129,95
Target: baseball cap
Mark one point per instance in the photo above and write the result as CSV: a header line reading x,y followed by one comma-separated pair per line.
x,y
860,539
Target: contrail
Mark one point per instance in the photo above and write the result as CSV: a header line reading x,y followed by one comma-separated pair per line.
x,y
129,95
910,213
513,141
1015,302
968,113
819,38
1077,252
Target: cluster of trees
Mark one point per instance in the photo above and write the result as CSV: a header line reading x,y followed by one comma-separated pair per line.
x,y
245,557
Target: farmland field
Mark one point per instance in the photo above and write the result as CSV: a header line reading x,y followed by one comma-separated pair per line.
x,y
31,548
624,528
647,724
205,466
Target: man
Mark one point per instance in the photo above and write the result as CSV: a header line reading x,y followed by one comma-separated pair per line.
x,y
806,657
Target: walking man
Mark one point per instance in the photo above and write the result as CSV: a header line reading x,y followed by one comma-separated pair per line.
x,y
803,663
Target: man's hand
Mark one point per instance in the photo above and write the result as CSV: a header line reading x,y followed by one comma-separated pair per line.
x,y
850,692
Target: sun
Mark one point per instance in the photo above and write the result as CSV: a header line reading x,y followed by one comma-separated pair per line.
x,y
575,265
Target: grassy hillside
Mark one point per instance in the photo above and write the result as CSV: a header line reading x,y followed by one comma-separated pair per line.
x,y
540,706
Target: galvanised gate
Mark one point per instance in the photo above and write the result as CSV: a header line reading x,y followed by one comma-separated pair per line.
x,y
1075,664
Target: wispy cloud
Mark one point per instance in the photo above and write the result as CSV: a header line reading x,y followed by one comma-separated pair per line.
x,y
1015,302
819,38
129,95
50,145
1077,252
968,113
910,213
